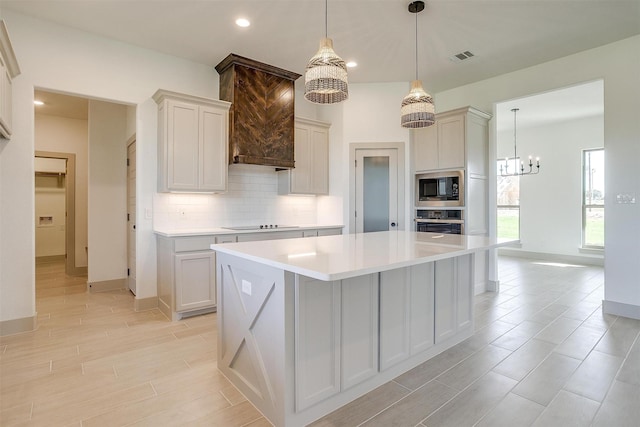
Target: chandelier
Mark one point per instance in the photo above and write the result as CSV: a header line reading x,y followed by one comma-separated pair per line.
x,y
518,167
417,110
325,78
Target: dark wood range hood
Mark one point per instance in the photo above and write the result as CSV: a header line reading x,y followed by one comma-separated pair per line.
x,y
261,118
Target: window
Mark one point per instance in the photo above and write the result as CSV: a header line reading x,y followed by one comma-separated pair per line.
x,y
593,198
508,201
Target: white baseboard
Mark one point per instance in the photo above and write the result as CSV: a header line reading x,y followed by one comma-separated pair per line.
x,y
493,286
18,326
107,285
621,309
569,259
144,304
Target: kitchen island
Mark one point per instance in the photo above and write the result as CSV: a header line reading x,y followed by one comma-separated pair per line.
x,y
307,325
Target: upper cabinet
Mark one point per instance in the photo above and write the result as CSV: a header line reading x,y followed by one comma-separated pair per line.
x,y
9,69
261,119
458,140
311,173
192,143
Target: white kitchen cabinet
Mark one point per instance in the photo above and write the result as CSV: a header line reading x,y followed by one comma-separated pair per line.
x,y
460,140
311,154
453,142
317,340
186,267
453,297
359,330
271,235
336,337
195,282
329,231
9,69
186,275
193,141
441,146
406,313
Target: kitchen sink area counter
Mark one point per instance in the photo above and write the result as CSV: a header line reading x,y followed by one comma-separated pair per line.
x,y
241,229
308,325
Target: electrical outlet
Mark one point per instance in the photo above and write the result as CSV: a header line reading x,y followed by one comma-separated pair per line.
x,y
246,287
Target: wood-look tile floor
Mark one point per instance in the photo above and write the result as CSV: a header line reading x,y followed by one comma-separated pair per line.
x,y
543,354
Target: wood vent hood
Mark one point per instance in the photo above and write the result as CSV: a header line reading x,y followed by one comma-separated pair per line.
x,y
261,118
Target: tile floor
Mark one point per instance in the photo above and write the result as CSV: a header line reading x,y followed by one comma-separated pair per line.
x,y
543,355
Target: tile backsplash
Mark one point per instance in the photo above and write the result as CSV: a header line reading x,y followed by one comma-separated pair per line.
x,y
252,198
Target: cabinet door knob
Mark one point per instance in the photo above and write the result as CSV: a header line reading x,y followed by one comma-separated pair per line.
x,y
393,224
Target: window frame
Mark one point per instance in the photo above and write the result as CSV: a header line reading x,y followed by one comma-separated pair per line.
x,y
513,163
583,202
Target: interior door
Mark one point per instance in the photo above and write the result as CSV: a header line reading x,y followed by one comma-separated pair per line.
x,y
376,190
131,216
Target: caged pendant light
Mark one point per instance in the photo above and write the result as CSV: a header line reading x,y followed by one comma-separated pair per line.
x,y
418,109
325,78
519,164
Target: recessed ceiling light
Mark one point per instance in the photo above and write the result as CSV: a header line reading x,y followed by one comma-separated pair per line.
x,y
36,102
242,22
352,64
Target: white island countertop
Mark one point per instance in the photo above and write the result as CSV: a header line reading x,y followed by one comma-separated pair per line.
x,y
349,255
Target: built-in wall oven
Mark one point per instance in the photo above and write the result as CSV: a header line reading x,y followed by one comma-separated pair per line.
x,y
440,189
445,221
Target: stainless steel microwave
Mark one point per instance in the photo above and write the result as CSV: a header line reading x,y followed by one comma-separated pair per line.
x,y
440,188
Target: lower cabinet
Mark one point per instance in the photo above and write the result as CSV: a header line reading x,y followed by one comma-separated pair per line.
x,y
195,280
186,275
406,313
453,296
350,331
187,268
336,338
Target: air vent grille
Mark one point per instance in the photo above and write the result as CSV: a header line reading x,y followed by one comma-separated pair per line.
x,y
461,56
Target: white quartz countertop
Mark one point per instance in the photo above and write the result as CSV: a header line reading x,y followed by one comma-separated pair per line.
x,y
185,232
350,255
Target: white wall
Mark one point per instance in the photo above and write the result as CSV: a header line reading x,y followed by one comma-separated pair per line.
x,y
550,202
619,65
64,135
107,191
66,60
370,115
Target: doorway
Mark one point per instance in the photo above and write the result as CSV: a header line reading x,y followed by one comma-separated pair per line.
x,y
55,213
377,187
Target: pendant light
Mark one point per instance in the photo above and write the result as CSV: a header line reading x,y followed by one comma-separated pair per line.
x,y
519,168
418,110
325,78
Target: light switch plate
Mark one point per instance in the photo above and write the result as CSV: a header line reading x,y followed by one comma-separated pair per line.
x,y
626,198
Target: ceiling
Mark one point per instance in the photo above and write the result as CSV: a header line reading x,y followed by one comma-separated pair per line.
x,y
504,35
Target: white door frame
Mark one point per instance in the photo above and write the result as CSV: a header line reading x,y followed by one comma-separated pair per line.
x,y
131,217
399,146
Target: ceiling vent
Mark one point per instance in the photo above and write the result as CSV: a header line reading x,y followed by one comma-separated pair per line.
x,y
461,56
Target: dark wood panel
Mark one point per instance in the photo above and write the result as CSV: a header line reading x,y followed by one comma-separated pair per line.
x,y
261,118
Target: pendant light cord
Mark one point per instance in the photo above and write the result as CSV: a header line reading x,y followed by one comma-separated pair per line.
x,y
416,45
515,146
326,18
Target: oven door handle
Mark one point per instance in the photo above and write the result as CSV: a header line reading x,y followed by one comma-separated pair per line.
x,y
439,221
